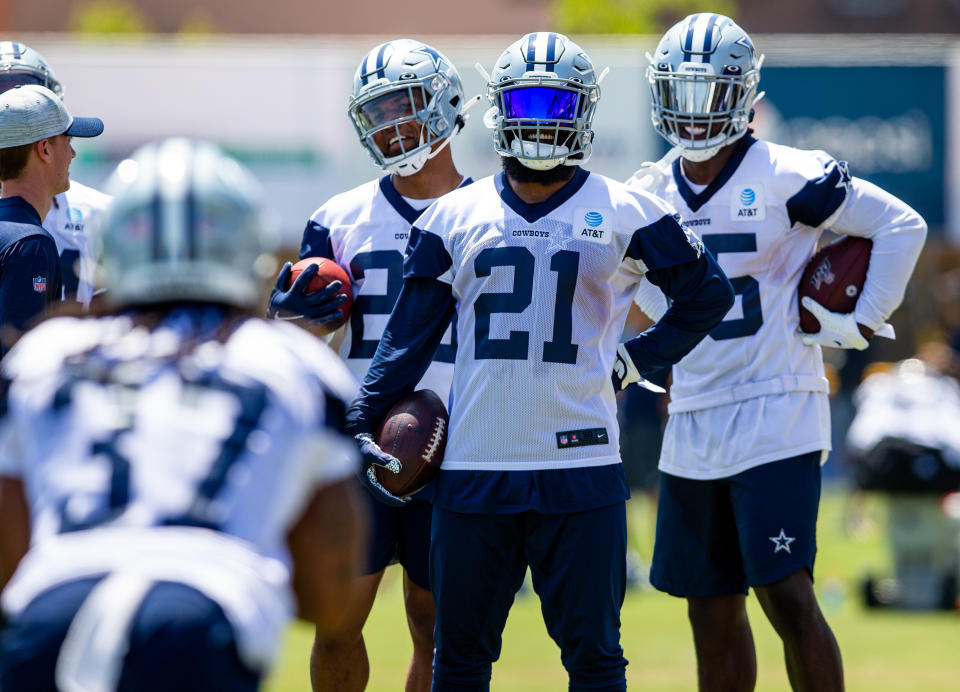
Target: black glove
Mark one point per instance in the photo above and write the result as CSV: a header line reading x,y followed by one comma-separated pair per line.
x,y
371,455
294,303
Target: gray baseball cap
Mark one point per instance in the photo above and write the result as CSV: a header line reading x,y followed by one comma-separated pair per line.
x,y
31,112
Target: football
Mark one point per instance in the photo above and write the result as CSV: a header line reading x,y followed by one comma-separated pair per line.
x,y
328,271
415,432
834,277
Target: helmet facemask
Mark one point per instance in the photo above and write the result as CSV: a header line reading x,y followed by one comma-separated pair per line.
x,y
407,104
698,111
703,84
543,94
543,121
382,114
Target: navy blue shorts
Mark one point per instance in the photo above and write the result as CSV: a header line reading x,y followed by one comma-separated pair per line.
x,y
400,534
180,640
719,537
578,563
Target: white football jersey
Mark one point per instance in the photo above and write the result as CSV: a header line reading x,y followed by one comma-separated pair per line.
x,y
752,392
141,450
543,292
365,231
70,220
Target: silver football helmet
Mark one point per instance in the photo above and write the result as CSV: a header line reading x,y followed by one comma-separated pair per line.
x,y
703,84
20,64
186,223
544,93
399,82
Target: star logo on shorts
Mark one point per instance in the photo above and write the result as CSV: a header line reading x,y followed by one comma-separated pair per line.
x,y
782,542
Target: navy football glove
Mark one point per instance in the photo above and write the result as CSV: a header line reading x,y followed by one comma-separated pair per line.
x,y
371,455
294,303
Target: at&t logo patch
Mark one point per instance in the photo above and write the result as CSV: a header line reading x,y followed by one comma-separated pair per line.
x,y
593,225
747,203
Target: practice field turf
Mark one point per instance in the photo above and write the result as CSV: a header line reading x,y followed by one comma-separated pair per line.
x,y
881,650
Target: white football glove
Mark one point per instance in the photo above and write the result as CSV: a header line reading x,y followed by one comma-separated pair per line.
x,y
625,373
837,330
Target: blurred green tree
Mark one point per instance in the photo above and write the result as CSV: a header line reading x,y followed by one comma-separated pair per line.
x,y
630,16
108,17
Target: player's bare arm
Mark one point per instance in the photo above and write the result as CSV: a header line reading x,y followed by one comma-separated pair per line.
x,y
326,545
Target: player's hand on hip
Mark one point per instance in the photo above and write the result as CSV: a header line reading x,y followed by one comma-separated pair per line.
x,y
295,303
837,330
372,456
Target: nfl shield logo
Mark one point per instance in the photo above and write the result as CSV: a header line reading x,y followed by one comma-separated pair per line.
x,y
39,284
563,439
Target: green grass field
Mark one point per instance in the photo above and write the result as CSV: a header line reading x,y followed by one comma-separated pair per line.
x,y
881,650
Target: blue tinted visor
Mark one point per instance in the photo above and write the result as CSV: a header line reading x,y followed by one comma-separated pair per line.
x,y
540,103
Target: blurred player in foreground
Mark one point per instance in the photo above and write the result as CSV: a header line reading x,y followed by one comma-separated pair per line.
x,y
407,105
173,484
74,211
35,156
539,264
749,413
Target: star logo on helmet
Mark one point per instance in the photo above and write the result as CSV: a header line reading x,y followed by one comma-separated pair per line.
x,y
434,56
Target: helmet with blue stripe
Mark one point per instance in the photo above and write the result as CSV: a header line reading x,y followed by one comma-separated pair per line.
x,y
399,82
186,224
544,93
20,64
703,83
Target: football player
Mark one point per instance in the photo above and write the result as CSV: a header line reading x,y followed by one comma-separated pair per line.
x,y
539,264
73,212
749,416
162,485
407,105
36,131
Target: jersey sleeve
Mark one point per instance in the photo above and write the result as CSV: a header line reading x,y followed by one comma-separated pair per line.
x,y
29,281
406,349
898,233
823,192
665,243
426,257
700,297
316,241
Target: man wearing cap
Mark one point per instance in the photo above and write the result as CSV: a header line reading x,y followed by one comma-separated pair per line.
x,y
73,212
35,155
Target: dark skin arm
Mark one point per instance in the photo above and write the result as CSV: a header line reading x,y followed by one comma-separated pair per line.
x,y
327,544
14,527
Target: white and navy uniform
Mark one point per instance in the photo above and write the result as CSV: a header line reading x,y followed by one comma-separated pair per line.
x,y
541,294
365,231
752,393
167,455
70,220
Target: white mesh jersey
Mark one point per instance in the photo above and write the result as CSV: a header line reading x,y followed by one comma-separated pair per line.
x,y
365,231
142,450
543,292
70,221
752,392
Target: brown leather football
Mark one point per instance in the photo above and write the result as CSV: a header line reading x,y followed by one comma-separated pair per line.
x,y
834,277
415,432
